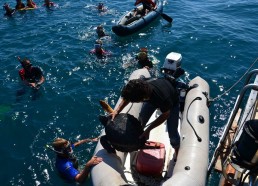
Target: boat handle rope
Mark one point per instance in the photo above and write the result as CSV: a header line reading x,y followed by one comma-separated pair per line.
x,y
219,96
198,137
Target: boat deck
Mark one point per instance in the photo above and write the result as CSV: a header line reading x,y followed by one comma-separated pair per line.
x,y
250,112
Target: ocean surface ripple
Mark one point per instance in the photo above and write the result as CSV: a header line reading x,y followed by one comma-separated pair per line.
x,y
217,39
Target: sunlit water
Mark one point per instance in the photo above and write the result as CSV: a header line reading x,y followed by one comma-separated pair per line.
x,y
217,39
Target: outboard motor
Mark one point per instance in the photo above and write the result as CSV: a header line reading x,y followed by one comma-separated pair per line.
x,y
245,150
172,70
172,63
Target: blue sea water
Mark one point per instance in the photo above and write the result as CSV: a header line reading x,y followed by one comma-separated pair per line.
x,y
217,39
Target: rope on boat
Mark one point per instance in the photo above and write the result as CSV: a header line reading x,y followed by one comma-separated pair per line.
x,y
219,96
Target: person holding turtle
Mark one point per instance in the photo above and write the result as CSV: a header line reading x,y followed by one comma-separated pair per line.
x,y
156,94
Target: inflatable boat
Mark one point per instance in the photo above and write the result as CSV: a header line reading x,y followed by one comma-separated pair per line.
x,y
129,24
157,165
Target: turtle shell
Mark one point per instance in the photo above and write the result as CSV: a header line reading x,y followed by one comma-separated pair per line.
x,y
123,132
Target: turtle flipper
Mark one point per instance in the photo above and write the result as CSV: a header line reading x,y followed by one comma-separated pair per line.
x,y
104,119
106,145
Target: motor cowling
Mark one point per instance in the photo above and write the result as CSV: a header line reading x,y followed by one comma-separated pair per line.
x,y
172,62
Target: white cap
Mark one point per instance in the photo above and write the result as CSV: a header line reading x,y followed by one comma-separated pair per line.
x,y
172,61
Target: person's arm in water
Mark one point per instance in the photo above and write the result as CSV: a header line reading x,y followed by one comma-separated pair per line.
x,y
85,172
120,107
163,117
85,141
42,79
19,59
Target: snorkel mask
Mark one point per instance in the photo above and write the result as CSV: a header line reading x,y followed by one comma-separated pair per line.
x,y
68,150
97,46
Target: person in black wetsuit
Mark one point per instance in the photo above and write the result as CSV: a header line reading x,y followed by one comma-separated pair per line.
x,y
100,31
160,93
8,10
101,7
30,75
20,5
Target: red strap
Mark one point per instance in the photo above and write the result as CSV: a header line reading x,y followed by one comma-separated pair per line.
x,y
22,74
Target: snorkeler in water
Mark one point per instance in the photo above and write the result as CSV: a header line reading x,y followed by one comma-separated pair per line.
x,y
31,75
48,3
8,10
100,31
100,7
66,161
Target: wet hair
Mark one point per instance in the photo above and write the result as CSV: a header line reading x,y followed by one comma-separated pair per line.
x,y
100,31
144,50
100,27
59,143
26,63
142,56
136,90
100,6
62,146
59,148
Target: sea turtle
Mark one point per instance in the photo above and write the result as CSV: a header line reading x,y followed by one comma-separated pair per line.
x,y
122,133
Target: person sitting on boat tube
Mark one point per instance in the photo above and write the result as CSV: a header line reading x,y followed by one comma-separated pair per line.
x,y
32,76
8,10
155,94
31,4
148,5
66,161
19,5
143,60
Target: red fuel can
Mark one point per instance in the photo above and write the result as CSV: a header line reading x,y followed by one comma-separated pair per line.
x,y
150,161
